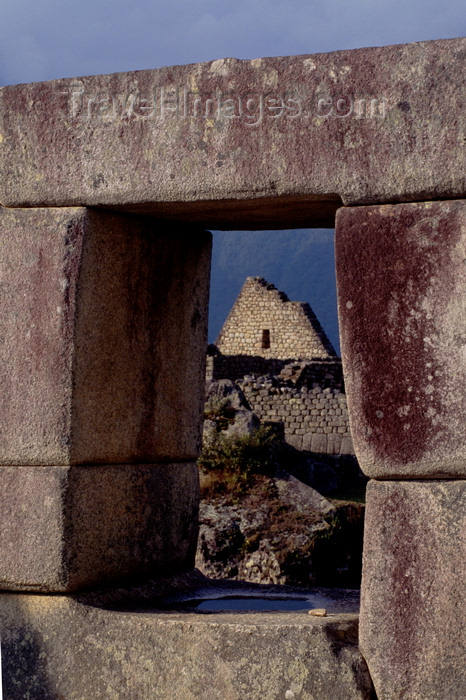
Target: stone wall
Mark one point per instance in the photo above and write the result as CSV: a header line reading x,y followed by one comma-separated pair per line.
x,y
260,346
264,322
403,340
324,373
306,398
400,276
314,419
237,366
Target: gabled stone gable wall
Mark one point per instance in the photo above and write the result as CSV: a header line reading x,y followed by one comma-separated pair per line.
x,y
293,329
306,396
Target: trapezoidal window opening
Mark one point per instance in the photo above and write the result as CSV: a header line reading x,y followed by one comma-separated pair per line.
x,y
265,339
274,336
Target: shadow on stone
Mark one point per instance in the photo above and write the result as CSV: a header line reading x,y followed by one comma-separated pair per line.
x,y
328,474
23,665
341,638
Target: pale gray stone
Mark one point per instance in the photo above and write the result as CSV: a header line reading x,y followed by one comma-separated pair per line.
x,y
59,647
319,443
244,423
302,497
346,445
66,528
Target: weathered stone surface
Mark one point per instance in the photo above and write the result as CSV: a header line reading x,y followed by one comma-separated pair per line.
x,y
57,647
334,444
402,309
245,423
347,445
302,496
225,390
227,413
102,349
319,443
65,528
413,619
273,142
295,441
263,322
280,531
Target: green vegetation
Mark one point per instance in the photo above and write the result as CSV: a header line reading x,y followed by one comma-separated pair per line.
x,y
230,463
355,493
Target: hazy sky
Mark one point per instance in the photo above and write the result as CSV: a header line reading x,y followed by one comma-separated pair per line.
x,y
44,39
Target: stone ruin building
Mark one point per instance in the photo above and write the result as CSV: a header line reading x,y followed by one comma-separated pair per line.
x,y
264,322
107,187
286,366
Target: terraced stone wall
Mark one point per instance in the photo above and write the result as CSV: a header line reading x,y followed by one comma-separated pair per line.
x,y
313,419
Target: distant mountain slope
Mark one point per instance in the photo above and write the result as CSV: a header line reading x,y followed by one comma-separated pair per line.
x,y
299,262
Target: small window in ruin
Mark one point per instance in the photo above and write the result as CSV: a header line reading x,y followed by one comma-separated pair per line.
x,y
265,339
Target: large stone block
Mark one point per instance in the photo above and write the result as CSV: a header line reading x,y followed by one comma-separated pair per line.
x,y
102,349
66,528
56,647
413,616
319,443
241,144
402,310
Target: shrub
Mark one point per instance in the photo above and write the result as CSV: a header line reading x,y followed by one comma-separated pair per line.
x,y
235,460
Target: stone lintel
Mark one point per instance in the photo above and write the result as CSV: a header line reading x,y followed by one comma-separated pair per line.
x,y
67,528
413,617
104,330
272,142
402,312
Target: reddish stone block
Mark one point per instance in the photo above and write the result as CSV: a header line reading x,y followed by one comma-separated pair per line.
x,y
66,528
243,144
402,310
412,628
102,350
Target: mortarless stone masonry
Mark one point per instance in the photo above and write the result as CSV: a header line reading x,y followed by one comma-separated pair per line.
x,y
264,322
314,419
307,397
403,351
366,127
103,317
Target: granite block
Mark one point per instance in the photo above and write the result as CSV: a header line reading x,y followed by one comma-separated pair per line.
x,y
67,528
104,329
402,313
413,616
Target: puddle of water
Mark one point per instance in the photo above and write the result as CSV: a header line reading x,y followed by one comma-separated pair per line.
x,y
247,604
